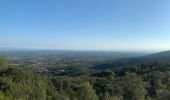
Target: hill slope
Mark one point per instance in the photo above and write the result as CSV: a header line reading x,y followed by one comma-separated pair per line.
x,y
161,56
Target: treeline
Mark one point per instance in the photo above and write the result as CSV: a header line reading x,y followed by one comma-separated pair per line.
x,y
19,84
147,81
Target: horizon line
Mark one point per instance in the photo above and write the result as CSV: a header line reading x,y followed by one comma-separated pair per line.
x,y
61,49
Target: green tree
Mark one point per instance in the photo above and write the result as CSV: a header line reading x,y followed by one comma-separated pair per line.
x,y
4,97
133,88
86,92
3,62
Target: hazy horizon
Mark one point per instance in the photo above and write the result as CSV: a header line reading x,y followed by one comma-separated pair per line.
x,y
111,25
81,50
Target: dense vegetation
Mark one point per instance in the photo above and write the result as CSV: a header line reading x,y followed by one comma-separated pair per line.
x,y
138,81
19,84
148,81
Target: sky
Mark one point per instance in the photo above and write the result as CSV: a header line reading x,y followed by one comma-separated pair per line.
x,y
85,24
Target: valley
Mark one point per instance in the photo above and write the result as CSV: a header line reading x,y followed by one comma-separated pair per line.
x,y
72,75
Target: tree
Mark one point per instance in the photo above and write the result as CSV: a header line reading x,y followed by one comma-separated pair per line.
x,y
107,96
4,97
3,62
133,88
86,92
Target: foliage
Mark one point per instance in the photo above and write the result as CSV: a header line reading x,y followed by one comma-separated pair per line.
x,y
86,92
18,84
145,81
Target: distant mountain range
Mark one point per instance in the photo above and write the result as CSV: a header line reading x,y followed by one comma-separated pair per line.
x,y
165,56
76,53
12,49
160,55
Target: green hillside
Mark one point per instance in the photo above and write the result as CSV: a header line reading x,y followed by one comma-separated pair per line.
x,y
145,80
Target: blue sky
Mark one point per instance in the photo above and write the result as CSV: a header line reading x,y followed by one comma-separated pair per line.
x,y
85,24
